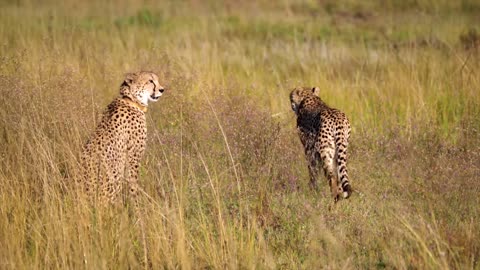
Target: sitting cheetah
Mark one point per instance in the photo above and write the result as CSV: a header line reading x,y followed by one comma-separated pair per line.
x,y
324,133
116,147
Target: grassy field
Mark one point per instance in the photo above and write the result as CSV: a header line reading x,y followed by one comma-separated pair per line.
x,y
225,180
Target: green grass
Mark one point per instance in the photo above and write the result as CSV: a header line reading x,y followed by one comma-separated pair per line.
x,y
225,180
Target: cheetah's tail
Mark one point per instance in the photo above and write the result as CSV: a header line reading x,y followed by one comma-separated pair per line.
x,y
342,143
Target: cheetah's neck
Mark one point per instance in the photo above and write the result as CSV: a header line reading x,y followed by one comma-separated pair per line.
x,y
135,104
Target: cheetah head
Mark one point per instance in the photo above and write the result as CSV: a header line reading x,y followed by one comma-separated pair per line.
x,y
141,87
299,93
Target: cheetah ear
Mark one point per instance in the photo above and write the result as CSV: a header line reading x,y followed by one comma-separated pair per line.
x,y
128,79
126,85
316,91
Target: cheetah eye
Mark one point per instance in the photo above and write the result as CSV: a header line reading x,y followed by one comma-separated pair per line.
x,y
151,81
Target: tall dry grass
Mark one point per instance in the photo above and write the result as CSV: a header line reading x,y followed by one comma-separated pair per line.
x,y
224,175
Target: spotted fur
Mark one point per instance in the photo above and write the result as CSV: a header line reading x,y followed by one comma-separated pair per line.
x,y
111,157
324,133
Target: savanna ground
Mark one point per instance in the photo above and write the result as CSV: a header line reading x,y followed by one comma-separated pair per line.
x,y
226,183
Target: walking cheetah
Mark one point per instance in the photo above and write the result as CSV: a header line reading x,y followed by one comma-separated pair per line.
x,y
114,151
324,133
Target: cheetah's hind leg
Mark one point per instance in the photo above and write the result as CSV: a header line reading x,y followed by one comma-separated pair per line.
x,y
328,164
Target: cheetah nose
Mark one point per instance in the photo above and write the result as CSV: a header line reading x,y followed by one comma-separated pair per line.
x,y
161,90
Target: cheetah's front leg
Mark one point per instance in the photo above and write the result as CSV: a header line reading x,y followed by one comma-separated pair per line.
x,y
313,160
